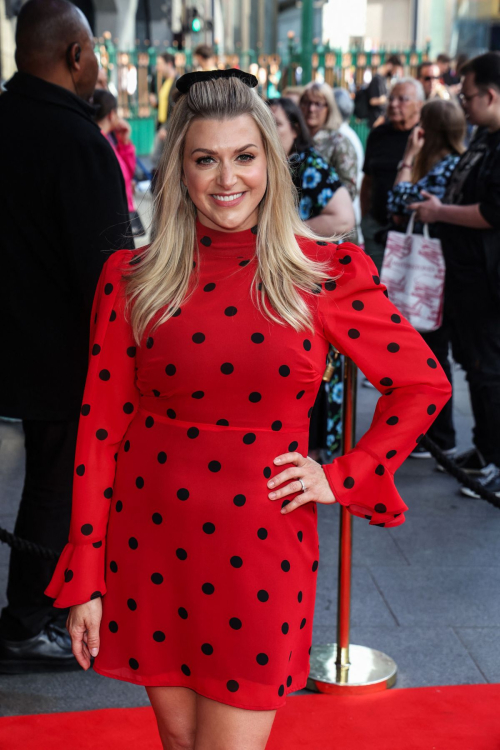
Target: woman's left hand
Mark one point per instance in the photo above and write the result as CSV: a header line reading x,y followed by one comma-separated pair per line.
x,y
312,474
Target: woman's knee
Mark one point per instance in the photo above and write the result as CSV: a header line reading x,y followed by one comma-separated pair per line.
x,y
175,711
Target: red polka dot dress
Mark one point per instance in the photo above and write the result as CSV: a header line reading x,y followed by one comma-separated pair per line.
x,y
205,584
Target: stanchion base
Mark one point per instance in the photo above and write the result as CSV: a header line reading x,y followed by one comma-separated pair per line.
x,y
370,671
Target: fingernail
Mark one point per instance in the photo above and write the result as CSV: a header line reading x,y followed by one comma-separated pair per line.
x,y
94,651
271,484
272,495
277,460
283,510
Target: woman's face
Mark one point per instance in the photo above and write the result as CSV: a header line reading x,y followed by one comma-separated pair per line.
x,y
315,110
285,130
225,171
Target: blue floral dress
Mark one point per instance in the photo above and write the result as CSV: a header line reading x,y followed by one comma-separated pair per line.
x,y
316,182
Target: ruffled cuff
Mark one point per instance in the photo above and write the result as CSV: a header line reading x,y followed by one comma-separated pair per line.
x,y
366,488
79,575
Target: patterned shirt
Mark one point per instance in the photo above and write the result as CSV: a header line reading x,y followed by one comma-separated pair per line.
x,y
315,181
434,182
340,154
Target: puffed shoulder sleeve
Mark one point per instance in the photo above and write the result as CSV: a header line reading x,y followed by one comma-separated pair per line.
x,y
109,403
360,321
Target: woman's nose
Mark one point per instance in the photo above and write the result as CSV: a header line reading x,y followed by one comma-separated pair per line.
x,y
227,176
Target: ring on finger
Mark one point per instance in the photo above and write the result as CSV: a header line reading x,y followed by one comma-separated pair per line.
x,y
304,488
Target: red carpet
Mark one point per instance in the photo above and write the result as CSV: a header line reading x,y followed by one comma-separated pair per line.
x,y
464,717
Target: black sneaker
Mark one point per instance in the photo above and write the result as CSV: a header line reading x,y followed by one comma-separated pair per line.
x,y
421,452
49,651
490,483
473,463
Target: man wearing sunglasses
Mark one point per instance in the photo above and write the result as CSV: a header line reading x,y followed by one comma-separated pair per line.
x,y
429,75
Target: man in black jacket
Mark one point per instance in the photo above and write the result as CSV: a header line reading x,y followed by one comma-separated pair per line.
x,y
63,209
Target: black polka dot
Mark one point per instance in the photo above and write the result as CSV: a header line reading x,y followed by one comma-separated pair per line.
x,y
392,420
198,394
267,472
170,369
230,311
193,432
134,664
257,338
386,381
97,544
232,685
161,457
276,425
104,375
171,414
431,409
345,260
207,649
303,623
293,446
185,670
299,597
113,626
126,446
380,508
133,543
262,659
208,588
393,348
159,636
85,410
254,229
149,421
358,305
214,466
112,317
396,318
244,263
131,351
284,371
101,434
390,454
132,604
177,312
108,288
222,422
139,483
376,279
209,287
285,628
289,680
285,566
379,470
249,438
87,529
183,493
315,566
182,613
432,363
262,595
118,506
254,397
307,345
281,690
68,575
262,533
157,518
95,595
235,623
206,241
157,578
181,553
236,561
208,528
128,408
239,500
353,333
300,535
330,286
96,349
113,566
309,413
348,483
108,493
227,368
300,394
198,338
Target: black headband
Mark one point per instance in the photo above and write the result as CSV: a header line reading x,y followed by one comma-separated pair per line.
x,y
186,81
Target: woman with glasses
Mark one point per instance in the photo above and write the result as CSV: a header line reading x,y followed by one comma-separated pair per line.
x,y
323,120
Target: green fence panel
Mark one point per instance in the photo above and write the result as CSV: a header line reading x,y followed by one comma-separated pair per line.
x,y
362,130
143,134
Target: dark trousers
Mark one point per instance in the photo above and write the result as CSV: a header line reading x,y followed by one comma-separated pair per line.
x,y
442,431
474,319
43,517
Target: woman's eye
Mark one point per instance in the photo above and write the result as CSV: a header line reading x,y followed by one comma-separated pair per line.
x,y
246,157
203,160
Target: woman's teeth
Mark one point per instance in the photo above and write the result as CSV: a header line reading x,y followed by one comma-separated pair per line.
x,y
228,198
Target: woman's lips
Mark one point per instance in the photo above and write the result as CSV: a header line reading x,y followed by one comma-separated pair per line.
x,y
228,203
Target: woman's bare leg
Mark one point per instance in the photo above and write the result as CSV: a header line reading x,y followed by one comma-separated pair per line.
x,y
175,711
223,727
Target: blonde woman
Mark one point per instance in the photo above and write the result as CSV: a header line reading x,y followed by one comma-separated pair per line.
x,y
324,120
193,553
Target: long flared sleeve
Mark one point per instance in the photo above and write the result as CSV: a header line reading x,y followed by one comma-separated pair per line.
x,y
109,403
364,325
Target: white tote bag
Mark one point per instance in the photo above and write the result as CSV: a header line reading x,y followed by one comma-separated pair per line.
x,y
413,272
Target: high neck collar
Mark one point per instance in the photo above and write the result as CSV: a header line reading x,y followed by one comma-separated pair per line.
x,y
33,87
215,242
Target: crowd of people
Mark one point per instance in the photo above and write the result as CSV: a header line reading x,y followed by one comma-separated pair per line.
x,y
433,149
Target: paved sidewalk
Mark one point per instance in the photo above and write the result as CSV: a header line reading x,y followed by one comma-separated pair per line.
x,y
426,593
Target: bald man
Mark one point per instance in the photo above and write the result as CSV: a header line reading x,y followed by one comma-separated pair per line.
x,y
63,205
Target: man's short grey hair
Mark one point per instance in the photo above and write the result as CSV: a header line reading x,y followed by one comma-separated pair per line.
x,y
344,103
419,89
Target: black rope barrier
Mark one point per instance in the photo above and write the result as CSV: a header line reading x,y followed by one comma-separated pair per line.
x,y
23,545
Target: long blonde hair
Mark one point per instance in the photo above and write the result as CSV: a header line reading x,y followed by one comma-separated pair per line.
x,y
161,277
334,118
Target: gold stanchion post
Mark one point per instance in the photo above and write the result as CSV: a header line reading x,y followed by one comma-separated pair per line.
x,y
342,668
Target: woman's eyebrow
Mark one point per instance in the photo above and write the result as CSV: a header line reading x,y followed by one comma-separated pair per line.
x,y
236,151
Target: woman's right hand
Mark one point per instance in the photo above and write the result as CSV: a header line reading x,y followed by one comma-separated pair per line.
x,y
83,626
415,142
